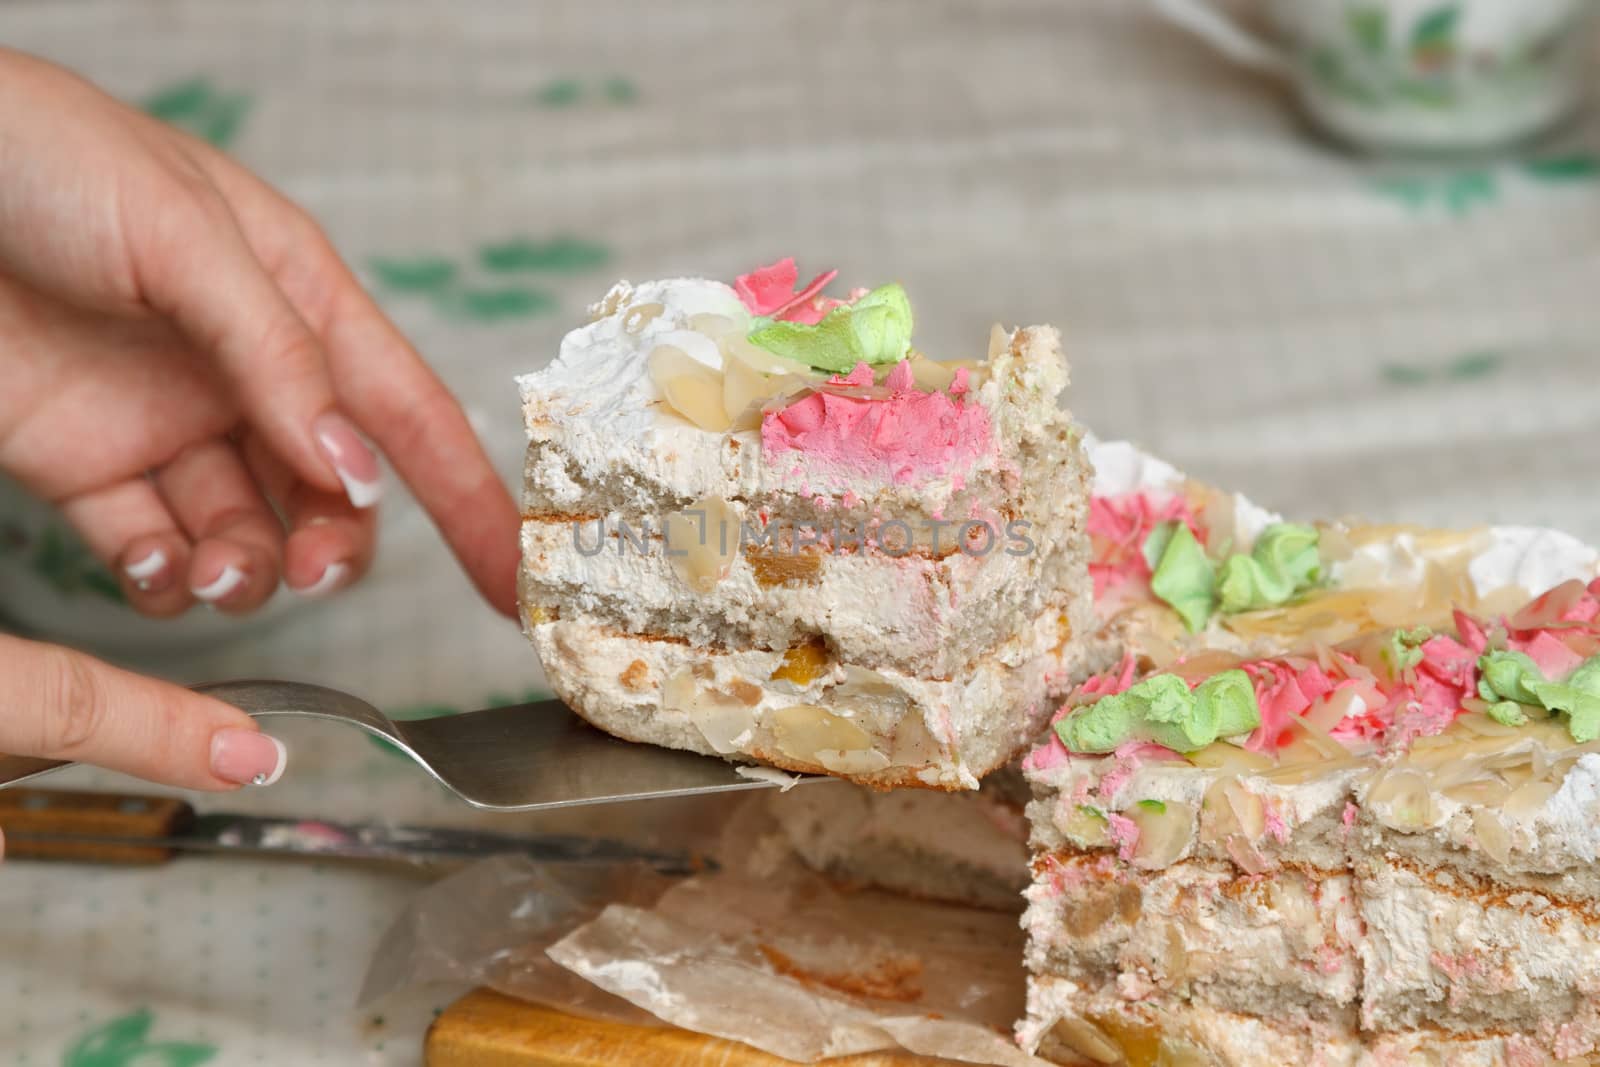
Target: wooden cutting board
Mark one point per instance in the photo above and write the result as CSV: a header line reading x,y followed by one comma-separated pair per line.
x,y
486,1029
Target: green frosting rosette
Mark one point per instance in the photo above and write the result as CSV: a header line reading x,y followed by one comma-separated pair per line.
x,y
1163,710
875,330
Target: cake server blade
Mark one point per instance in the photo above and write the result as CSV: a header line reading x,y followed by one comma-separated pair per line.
x,y
527,757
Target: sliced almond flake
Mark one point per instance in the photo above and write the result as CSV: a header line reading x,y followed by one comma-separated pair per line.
x,y
1549,608
854,392
1319,740
1085,1038
702,542
1300,773
1164,834
1491,835
744,391
712,325
802,731
1333,543
1330,710
785,391
1458,746
1245,854
999,342
1529,798
1429,541
690,388
1485,790
1230,759
1401,800
932,376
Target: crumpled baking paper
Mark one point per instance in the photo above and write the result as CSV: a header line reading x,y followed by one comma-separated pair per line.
x,y
761,950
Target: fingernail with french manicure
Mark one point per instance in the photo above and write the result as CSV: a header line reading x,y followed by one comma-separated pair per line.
x,y
220,587
332,578
247,757
146,572
352,458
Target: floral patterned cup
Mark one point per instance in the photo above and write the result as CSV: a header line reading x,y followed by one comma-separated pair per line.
x,y
1418,75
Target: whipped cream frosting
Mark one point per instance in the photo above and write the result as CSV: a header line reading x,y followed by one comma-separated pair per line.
x,y
598,400
1529,558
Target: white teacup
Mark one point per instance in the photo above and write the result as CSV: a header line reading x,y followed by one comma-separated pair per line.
x,y
1418,75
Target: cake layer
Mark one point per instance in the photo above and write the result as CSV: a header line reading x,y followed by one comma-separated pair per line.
x,y
1444,954
810,711
966,848
915,611
1081,1028
1271,944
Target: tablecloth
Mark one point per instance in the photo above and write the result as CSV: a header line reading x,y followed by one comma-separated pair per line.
x,y
1328,334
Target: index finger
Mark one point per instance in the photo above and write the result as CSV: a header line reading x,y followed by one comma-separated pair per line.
x,y
393,395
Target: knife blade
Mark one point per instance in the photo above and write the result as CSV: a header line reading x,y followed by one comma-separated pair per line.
x,y
134,829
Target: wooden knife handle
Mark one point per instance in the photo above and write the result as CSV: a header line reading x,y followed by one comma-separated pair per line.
x,y
107,817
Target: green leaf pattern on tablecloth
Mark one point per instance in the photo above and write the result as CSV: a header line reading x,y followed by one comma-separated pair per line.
x,y
1458,192
1467,367
455,294
1455,193
559,255
420,275
565,92
125,1042
198,106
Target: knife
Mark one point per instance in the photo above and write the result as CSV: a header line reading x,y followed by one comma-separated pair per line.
x,y
136,830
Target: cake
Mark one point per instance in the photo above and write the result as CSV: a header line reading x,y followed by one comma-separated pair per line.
x,y
960,848
758,523
1378,849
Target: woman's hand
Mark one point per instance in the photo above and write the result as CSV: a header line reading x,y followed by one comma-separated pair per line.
x,y
57,704
190,372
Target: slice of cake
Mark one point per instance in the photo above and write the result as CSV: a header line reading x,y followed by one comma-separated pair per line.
x,y
1375,852
759,523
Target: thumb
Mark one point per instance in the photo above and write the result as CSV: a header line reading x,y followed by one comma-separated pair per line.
x,y
60,704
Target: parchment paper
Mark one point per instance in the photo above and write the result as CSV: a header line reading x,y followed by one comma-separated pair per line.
x,y
761,950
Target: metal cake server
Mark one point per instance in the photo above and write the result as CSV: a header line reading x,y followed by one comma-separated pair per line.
x,y
522,758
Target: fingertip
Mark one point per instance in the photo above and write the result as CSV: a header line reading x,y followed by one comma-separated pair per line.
x,y
247,756
230,577
352,458
151,571
334,576
326,553
148,565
